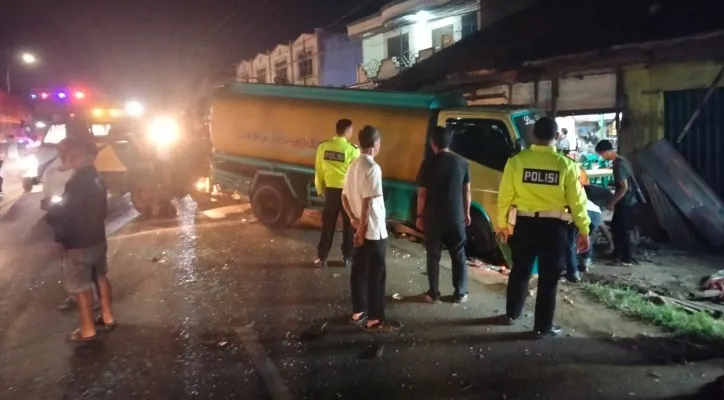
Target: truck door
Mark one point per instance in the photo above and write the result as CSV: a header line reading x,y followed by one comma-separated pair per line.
x,y
487,144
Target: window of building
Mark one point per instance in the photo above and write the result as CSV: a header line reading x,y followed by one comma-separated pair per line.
x,y
281,72
484,141
306,65
442,37
469,23
398,46
261,75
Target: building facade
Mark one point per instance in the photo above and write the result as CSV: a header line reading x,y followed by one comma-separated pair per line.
x,y
319,58
404,33
661,73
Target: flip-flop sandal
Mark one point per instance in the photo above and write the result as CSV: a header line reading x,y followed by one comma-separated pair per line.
x,y
77,338
358,322
382,327
101,323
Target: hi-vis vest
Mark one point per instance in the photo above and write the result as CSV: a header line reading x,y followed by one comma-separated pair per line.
x,y
333,159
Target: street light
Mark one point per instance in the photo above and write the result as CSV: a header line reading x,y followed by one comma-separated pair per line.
x,y
28,58
25,58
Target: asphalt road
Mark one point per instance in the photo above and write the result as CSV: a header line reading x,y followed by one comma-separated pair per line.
x,y
11,172
218,307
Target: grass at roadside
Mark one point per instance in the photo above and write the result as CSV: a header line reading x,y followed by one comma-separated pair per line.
x,y
699,326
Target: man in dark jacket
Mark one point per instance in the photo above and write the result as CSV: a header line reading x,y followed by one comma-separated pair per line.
x,y
443,213
79,225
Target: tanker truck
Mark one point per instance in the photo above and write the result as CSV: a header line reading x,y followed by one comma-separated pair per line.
x,y
265,139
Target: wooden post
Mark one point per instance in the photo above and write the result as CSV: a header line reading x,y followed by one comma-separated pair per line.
x,y
291,61
554,94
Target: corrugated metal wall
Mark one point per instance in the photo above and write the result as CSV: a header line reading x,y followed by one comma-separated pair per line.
x,y
703,146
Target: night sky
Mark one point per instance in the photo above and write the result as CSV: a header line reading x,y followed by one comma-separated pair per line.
x,y
156,50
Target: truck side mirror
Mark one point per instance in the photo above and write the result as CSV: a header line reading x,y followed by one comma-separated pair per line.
x,y
517,147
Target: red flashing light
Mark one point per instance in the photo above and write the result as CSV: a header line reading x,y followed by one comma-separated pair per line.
x,y
44,95
79,95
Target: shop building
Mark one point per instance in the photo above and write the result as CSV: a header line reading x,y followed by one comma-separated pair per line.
x,y
653,64
319,58
404,33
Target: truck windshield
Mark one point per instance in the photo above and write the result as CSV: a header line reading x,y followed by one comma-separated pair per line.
x,y
484,141
524,124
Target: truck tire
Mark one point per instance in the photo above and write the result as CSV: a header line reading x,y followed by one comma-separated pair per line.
x,y
295,212
481,238
202,199
272,204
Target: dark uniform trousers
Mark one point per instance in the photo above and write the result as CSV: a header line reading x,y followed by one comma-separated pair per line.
x,y
544,239
332,209
368,279
454,239
621,225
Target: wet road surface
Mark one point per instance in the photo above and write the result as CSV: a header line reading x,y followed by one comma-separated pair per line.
x,y
223,308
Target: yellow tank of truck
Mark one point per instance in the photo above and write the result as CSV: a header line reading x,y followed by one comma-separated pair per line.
x,y
288,130
266,136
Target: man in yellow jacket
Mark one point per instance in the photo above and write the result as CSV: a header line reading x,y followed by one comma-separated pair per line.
x,y
539,195
333,159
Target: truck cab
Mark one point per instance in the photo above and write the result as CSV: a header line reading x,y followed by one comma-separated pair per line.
x,y
487,137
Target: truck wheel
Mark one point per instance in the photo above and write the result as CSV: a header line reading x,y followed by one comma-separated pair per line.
x,y
271,204
202,199
481,239
295,212
142,200
28,184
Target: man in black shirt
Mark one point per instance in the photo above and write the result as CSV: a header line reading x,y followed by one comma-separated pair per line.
x,y
623,202
78,221
443,212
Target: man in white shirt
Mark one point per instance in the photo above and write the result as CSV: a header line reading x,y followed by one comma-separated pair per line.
x,y
565,143
362,200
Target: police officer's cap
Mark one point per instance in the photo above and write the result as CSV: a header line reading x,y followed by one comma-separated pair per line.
x,y
545,129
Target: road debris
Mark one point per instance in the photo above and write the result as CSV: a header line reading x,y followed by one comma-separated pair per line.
x,y
314,332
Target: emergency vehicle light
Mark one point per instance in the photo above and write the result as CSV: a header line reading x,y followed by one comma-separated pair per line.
x,y
108,112
62,95
79,95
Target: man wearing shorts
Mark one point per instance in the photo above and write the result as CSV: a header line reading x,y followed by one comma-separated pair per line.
x,y
79,225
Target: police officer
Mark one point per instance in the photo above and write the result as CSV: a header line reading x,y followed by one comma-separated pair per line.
x,y
333,158
539,195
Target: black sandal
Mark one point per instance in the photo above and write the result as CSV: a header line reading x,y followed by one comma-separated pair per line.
x,y
357,322
101,323
78,338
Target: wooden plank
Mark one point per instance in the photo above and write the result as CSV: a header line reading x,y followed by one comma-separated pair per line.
x,y
698,305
